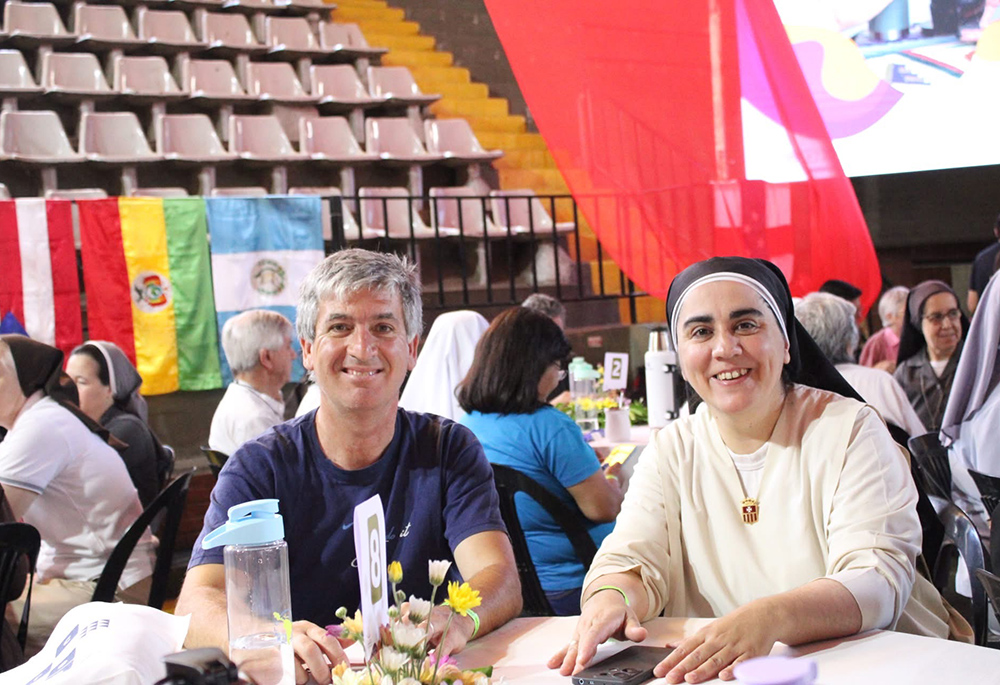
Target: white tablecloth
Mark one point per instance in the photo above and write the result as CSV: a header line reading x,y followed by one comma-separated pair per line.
x,y
519,650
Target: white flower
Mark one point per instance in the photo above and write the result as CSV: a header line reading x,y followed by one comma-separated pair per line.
x,y
437,570
386,680
392,660
420,609
406,637
348,677
408,681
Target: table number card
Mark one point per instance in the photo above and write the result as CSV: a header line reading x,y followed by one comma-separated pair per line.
x,y
369,544
615,370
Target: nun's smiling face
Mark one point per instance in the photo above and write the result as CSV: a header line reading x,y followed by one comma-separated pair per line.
x,y
941,325
731,349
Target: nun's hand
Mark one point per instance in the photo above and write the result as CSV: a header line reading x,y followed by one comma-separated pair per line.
x,y
604,615
715,650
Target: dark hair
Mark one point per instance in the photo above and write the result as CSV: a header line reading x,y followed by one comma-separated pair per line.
x,y
102,363
841,289
510,360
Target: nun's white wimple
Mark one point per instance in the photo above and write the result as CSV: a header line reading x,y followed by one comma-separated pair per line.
x,y
736,278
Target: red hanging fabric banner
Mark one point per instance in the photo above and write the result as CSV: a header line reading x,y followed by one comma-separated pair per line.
x,y
641,103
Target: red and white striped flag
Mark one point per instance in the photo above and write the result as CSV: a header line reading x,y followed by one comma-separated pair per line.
x,y
39,281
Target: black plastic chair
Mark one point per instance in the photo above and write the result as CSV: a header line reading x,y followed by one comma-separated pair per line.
x,y
216,459
930,524
989,489
962,540
171,500
508,483
17,541
991,584
932,459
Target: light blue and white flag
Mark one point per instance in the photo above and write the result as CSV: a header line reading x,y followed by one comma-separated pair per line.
x,y
262,249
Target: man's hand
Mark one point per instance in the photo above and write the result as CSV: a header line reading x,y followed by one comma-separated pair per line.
x,y
314,648
458,635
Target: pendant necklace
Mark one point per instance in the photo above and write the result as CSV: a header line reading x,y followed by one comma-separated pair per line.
x,y
750,509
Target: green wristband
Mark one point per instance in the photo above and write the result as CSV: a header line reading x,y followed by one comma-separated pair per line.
x,y
475,621
616,589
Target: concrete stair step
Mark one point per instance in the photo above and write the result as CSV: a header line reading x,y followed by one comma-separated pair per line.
x,y
418,59
489,107
459,91
359,13
396,28
543,181
512,124
396,42
524,159
359,3
432,74
507,141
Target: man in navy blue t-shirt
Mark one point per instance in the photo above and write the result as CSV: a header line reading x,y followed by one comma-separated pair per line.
x,y
358,320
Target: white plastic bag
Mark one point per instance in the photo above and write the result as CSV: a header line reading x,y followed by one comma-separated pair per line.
x,y
100,643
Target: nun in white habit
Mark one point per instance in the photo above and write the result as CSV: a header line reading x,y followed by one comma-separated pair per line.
x,y
442,364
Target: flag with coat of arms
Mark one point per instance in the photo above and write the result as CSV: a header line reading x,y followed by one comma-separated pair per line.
x,y
262,249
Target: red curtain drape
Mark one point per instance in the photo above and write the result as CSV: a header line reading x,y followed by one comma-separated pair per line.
x,y
641,104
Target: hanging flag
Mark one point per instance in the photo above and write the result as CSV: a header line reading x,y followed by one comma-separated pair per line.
x,y
262,249
643,105
39,281
149,288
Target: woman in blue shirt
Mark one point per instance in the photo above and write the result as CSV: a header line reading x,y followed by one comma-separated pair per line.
x,y
518,362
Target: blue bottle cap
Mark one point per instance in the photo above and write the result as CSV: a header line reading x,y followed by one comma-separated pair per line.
x,y
252,523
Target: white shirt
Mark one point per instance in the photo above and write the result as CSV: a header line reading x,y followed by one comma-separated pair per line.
x,y
86,501
881,390
243,413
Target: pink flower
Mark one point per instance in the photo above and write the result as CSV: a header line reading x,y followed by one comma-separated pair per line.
x,y
334,631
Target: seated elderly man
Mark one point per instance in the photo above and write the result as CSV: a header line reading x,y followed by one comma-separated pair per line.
x,y
258,347
830,321
358,318
882,348
61,476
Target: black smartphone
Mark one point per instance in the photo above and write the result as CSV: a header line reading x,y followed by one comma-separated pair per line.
x,y
628,667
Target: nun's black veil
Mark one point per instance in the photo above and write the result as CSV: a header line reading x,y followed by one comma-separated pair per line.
x,y
808,365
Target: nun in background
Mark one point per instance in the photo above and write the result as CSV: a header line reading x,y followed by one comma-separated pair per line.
x,y
929,348
773,460
442,363
972,416
109,385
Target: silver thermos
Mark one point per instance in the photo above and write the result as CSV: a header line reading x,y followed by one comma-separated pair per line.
x,y
661,370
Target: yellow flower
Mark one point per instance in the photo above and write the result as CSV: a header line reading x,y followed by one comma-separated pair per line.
x,y
354,625
395,572
461,598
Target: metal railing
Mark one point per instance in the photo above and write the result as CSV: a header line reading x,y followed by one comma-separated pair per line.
x,y
519,245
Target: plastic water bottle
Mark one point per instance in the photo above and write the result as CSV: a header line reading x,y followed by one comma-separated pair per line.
x,y
258,599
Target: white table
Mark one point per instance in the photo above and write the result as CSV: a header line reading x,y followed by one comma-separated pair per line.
x,y
519,650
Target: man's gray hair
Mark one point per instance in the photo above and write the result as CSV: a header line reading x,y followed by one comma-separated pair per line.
x,y
892,302
348,272
246,334
830,321
545,304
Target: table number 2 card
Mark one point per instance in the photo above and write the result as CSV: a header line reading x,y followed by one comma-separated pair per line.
x,y
615,370
369,544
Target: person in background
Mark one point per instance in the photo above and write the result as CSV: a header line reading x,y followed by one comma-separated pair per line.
x,y
983,267
830,321
547,305
442,363
929,348
359,318
846,291
779,457
108,386
972,417
60,475
881,350
554,309
504,394
258,347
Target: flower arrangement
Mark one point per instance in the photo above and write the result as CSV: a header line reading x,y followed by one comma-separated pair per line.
x,y
402,655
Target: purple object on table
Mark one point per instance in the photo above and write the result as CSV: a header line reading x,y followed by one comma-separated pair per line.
x,y
776,670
